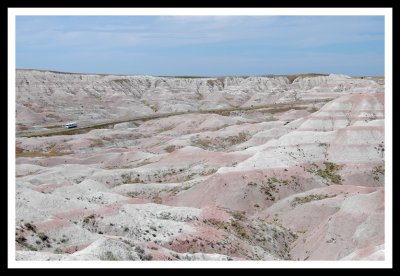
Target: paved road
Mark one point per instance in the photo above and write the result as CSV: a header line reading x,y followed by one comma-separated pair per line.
x,y
273,108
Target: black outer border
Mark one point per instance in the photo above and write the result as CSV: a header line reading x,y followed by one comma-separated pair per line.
x,y
175,4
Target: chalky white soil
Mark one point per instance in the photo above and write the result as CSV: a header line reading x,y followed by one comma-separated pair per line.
x,y
293,184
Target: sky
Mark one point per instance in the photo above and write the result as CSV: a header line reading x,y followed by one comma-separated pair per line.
x,y
202,45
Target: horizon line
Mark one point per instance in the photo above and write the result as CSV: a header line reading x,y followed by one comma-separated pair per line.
x,y
194,76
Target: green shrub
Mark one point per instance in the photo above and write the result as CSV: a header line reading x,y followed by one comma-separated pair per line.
x,y
330,172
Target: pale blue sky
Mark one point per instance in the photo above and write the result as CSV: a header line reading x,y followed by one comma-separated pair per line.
x,y
202,45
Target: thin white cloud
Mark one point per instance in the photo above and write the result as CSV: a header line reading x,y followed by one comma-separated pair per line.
x,y
231,44
171,31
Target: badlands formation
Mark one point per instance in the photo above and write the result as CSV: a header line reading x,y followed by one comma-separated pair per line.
x,y
303,182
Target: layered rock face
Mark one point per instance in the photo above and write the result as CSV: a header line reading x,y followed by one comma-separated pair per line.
x,y
44,98
293,184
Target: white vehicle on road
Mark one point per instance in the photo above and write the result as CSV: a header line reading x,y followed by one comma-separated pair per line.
x,y
71,125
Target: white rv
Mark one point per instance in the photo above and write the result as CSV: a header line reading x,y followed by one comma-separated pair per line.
x,y
71,125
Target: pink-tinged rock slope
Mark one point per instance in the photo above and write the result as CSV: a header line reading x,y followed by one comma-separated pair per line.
x,y
292,184
47,99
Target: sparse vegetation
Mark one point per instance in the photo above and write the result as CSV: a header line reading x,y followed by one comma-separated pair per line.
x,y
218,82
167,128
58,251
274,180
240,138
54,126
22,153
21,127
329,173
64,240
271,186
175,190
185,178
30,226
130,178
96,142
90,223
202,143
208,172
268,190
302,76
88,219
219,143
309,198
170,148
133,194
141,253
30,247
378,171
42,236
238,215
381,149
239,229
156,199
108,256
20,239
370,117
